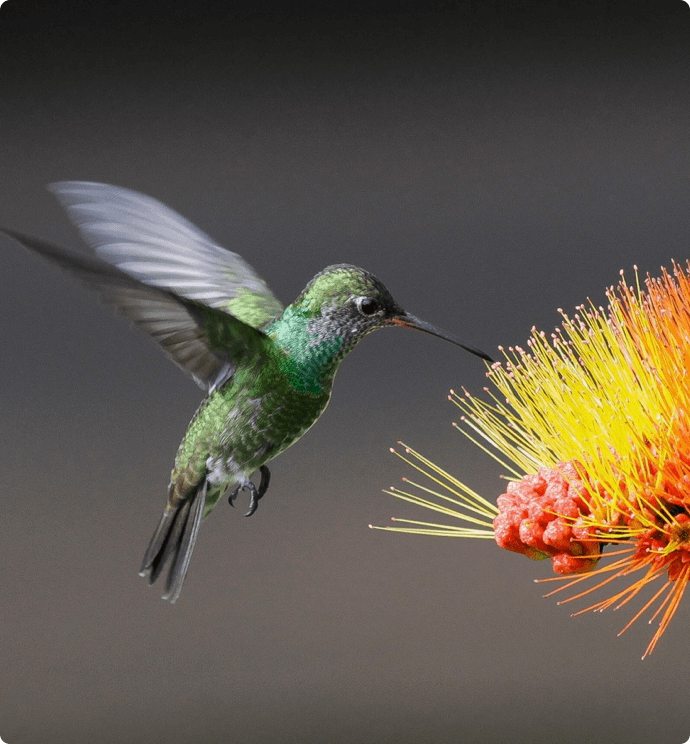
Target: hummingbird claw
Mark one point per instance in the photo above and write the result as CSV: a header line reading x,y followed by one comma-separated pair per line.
x,y
233,496
258,493
253,502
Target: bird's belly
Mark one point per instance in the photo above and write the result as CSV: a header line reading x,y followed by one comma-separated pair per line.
x,y
267,427
232,435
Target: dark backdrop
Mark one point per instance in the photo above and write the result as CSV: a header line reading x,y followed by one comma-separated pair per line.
x,y
490,162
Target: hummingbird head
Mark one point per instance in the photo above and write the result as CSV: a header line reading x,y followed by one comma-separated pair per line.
x,y
344,303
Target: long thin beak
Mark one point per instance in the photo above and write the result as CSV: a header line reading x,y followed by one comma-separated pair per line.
x,y
406,320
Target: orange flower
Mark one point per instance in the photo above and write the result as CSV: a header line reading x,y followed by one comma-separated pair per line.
x,y
593,427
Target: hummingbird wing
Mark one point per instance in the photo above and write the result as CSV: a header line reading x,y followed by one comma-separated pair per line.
x,y
155,245
202,340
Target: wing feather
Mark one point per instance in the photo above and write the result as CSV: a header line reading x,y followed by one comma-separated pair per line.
x,y
180,326
160,248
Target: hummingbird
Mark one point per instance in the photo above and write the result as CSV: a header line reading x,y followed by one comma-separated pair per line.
x,y
267,371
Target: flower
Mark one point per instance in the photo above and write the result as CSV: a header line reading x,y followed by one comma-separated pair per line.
x,y
592,425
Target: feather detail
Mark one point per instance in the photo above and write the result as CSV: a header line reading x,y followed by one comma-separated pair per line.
x,y
203,341
160,248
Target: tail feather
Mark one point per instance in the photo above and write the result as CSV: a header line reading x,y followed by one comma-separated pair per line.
x,y
174,538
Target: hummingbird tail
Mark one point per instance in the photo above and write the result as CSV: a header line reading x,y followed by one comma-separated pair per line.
x,y
175,536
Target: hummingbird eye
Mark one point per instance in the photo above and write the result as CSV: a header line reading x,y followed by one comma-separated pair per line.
x,y
367,305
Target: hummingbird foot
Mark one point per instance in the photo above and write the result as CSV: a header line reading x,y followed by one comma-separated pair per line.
x,y
260,492
256,493
233,496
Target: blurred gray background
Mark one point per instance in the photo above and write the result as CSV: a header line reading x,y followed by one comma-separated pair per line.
x,y
490,162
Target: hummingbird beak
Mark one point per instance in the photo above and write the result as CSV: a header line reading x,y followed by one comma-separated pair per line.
x,y
405,320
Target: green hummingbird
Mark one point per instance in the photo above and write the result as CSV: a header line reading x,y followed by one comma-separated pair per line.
x,y
267,370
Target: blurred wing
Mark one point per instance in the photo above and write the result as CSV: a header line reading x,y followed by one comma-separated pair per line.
x,y
157,246
203,341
